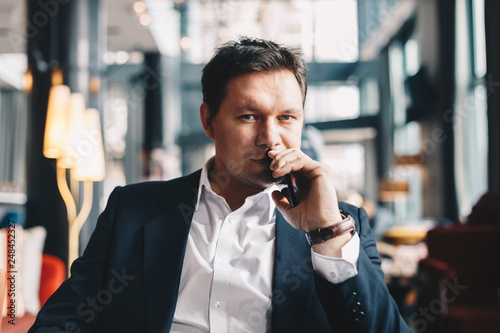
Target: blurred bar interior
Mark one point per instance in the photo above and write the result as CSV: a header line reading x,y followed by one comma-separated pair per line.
x,y
403,104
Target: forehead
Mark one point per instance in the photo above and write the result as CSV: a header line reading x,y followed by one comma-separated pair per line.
x,y
278,83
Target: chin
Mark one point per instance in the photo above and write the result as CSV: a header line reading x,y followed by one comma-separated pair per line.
x,y
263,181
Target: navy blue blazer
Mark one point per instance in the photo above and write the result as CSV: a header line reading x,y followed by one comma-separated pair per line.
x,y
128,277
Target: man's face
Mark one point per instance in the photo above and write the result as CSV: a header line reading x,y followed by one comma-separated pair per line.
x,y
261,111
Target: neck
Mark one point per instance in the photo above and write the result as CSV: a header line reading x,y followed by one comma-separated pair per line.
x,y
234,194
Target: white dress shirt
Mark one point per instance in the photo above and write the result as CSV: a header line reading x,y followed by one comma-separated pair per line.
x,y
226,280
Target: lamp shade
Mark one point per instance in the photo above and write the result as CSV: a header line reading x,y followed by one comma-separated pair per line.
x,y
56,129
91,166
75,141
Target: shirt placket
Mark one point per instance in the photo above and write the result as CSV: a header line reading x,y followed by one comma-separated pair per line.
x,y
219,294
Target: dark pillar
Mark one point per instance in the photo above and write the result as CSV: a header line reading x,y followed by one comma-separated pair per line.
x,y
385,119
44,206
446,19
153,110
492,26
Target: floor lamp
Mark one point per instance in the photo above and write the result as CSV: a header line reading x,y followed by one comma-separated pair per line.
x,y
73,137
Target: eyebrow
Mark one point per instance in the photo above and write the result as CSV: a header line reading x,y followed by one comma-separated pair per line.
x,y
248,107
252,108
293,110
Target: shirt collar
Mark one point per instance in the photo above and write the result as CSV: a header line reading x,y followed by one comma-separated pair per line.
x,y
205,185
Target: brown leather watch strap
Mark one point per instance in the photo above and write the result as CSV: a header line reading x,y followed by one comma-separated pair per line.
x,y
323,234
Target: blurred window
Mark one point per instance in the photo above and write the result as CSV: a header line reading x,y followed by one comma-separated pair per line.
x,y
13,134
470,118
348,165
369,102
326,30
404,62
331,102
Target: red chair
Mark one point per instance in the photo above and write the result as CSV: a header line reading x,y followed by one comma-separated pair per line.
x,y
464,267
53,274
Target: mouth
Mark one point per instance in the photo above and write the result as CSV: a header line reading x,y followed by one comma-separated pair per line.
x,y
265,160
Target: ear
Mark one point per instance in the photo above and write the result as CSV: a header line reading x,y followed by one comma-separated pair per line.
x,y
206,120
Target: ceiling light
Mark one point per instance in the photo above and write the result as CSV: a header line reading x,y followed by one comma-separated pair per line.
x,y
109,57
223,33
136,57
139,7
185,43
145,19
122,57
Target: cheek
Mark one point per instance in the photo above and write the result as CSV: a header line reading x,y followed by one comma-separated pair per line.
x,y
292,137
234,144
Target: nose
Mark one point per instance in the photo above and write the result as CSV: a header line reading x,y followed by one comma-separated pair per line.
x,y
268,136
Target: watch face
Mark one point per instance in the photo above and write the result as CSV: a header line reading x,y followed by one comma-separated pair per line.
x,y
319,236
325,234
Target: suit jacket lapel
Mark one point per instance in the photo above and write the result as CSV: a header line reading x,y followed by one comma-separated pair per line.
x,y
164,245
292,278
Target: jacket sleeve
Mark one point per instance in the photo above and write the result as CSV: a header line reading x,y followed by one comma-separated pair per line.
x,y
70,309
361,303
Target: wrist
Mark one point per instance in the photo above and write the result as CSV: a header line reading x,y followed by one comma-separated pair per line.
x,y
333,247
321,235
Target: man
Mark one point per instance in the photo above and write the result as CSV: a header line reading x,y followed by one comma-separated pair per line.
x,y
210,251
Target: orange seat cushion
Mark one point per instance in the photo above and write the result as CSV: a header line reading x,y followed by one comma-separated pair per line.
x,y
53,274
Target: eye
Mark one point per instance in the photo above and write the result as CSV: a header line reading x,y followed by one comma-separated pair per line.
x,y
248,117
285,117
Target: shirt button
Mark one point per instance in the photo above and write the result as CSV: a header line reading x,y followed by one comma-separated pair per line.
x,y
217,305
333,275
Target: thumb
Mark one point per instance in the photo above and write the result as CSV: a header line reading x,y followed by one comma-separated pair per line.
x,y
281,201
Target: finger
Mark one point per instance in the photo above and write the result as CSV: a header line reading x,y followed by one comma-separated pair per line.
x,y
284,157
277,155
289,166
283,160
278,152
281,201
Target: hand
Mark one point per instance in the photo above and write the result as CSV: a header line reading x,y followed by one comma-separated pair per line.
x,y
318,204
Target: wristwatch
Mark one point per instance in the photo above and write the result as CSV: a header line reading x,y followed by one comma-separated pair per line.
x,y
321,235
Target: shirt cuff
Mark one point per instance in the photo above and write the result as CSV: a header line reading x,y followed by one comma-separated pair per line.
x,y
337,270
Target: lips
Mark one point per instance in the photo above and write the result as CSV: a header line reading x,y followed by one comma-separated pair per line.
x,y
265,160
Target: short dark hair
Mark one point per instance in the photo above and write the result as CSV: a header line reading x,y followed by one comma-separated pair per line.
x,y
248,55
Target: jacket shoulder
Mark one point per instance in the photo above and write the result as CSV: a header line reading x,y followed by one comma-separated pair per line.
x,y
173,188
359,214
152,197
